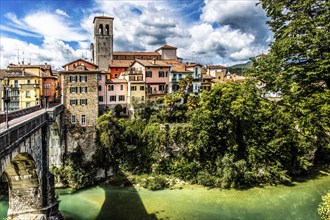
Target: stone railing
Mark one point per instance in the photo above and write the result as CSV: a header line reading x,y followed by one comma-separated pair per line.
x,y
18,113
16,134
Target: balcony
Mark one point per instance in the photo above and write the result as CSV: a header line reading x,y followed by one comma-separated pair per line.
x,y
157,92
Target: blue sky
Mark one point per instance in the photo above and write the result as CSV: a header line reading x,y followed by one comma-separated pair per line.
x,y
205,31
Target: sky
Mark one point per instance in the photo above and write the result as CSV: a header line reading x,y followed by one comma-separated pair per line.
x,y
56,32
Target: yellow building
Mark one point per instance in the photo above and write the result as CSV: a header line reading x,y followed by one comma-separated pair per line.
x,y
23,89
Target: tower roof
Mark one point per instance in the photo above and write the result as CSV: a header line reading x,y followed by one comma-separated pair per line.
x,y
102,17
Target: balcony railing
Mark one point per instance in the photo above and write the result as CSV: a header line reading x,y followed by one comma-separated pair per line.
x,y
156,92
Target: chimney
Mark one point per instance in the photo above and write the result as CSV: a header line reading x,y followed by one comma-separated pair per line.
x,y
45,65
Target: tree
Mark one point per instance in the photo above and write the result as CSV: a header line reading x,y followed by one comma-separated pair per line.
x,y
185,87
298,65
110,130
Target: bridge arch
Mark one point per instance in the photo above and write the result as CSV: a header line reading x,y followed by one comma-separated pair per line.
x,y
24,188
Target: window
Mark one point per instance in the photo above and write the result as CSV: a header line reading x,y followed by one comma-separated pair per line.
x,y
73,78
148,74
133,88
100,88
73,119
142,98
28,82
141,88
166,74
83,89
83,101
161,74
110,88
28,104
121,87
16,83
73,101
99,77
83,78
161,87
112,98
100,98
140,78
121,98
116,75
83,119
27,94
131,78
180,76
73,89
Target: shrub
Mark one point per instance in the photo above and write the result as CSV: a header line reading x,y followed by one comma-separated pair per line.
x,y
324,207
155,183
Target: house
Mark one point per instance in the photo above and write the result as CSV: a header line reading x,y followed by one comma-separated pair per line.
x,y
80,89
167,52
117,94
156,75
178,71
216,70
196,68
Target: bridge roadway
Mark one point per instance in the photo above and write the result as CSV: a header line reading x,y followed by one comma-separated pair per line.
x,y
24,161
22,119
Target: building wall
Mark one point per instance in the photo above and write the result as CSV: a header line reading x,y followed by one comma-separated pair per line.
x,y
102,90
116,71
90,110
119,89
168,54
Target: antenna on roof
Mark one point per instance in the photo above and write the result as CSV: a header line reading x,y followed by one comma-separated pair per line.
x,y
17,56
23,57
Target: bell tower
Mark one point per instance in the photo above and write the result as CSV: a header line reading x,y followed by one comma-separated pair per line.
x,y
103,41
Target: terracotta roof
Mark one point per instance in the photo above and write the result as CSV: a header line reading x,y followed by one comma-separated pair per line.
x,y
102,17
166,47
204,76
150,63
120,63
80,60
127,53
45,66
175,62
180,69
216,67
193,64
12,74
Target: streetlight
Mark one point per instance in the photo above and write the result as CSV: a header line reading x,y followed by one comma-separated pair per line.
x,y
6,99
46,86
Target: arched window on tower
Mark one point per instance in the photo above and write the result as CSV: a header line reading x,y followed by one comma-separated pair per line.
x,y
101,29
107,29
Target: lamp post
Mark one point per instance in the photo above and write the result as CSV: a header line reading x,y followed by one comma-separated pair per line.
x,y
46,86
6,99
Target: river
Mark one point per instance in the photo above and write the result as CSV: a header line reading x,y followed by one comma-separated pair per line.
x,y
193,202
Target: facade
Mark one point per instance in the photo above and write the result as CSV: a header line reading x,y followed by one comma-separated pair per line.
x,y
156,75
102,48
178,71
167,52
23,89
117,94
214,70
197,76
117,67
80,93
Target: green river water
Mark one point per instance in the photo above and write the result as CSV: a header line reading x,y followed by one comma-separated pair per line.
x,y
193,202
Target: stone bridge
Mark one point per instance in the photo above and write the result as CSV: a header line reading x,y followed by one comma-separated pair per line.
x,y
24,160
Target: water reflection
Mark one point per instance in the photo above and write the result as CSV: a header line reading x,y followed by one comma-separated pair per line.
x,y
122,205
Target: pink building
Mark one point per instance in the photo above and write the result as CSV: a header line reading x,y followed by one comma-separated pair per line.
x,y
167,52
156,75
117,94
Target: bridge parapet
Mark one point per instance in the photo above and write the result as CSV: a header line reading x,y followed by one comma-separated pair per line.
x,y
54,111
10,138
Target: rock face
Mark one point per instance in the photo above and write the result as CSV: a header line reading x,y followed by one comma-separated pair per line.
x,y
84,138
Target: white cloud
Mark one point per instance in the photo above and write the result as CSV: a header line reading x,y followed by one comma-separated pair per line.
x,y
61,12
52,51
